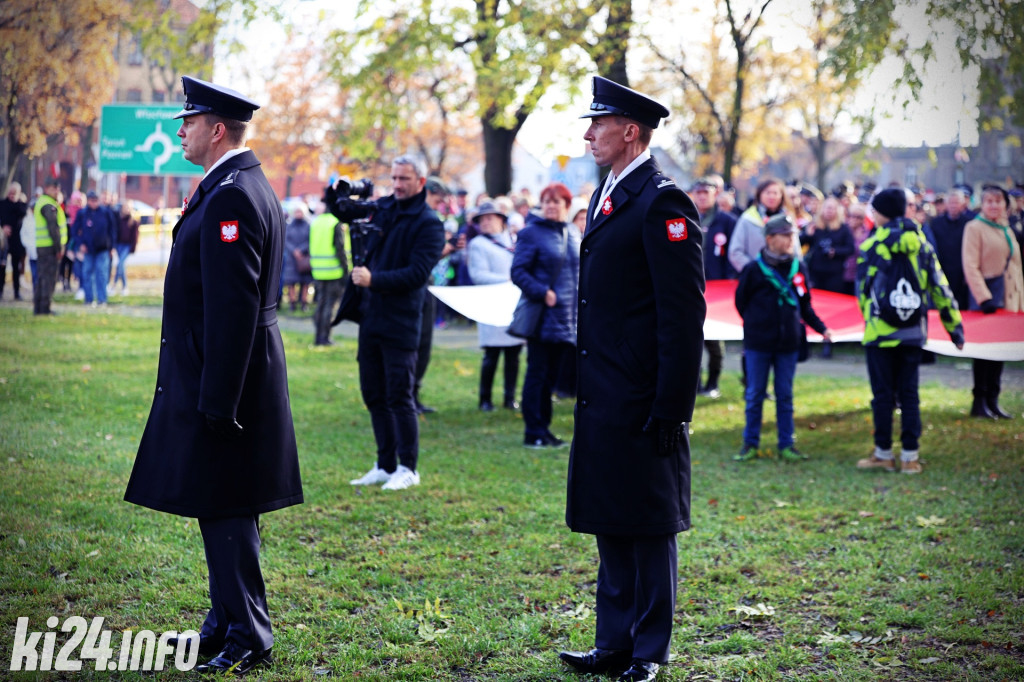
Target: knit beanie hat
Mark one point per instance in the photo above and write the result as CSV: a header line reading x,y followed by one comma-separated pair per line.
x,y
891,202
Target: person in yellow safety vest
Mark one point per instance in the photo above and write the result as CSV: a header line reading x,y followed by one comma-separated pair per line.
x,y
327,258
51,236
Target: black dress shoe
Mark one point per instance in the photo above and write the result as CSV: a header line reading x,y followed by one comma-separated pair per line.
x,y
208,646
640,671
424,409
236,660
486,406
596,660
511,405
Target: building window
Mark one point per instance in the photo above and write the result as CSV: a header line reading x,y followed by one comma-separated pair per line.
x,y
159,96
910,176
133,95
1004,154
131,183
135,51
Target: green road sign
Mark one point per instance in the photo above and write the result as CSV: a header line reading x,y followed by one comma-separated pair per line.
x,y
141,139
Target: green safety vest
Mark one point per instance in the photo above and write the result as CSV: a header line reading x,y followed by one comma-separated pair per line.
x,y
42,234
322,255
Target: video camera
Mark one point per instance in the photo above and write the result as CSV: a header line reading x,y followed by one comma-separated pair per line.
x,y
349,201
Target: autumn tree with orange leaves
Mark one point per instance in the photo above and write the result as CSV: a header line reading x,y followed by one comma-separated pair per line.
x,y
295,130
56,59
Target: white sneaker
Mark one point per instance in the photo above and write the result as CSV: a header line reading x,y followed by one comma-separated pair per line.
x,y
374,476
403,478
80,295
124,291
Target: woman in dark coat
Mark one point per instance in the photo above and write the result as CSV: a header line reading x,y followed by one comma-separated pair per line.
x,y
546,269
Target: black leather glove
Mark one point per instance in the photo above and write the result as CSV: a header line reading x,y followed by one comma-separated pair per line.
x,y
223,427
669,435
989,307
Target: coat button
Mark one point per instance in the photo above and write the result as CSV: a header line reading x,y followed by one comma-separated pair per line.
x,y
159,389
583,352
583,302
583,403
586,252
163,342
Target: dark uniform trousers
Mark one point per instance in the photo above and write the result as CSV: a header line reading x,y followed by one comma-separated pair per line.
x,y
636,594
386,376
238,597
46,280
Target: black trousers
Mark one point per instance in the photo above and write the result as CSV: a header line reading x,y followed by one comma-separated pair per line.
x,y
238,599
636,594
543,361
489,366
894,373
42,294
716,354
328,294
386,382
426,339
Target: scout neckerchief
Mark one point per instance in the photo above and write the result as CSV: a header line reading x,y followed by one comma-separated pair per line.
x,y
1006,233
782,286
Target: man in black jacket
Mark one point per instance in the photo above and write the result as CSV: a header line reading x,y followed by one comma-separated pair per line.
x,y
639,342
392,281
219,444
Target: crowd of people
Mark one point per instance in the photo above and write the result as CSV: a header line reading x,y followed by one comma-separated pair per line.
x,y
80,238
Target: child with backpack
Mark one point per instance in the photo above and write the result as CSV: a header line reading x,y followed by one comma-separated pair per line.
x,y
773,297
897,273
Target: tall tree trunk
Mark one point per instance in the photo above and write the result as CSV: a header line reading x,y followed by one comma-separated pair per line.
x,y
87,137
498,158
609,54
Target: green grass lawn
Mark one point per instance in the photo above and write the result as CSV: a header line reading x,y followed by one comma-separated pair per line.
x,y
813,571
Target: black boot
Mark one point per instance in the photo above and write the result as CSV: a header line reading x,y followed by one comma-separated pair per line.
x,y
488,367
979,408
993,381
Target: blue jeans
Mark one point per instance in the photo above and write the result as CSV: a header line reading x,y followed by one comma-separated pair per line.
x,y
122,254
95,275
758,365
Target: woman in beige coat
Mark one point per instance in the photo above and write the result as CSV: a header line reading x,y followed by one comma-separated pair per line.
x,y
992,268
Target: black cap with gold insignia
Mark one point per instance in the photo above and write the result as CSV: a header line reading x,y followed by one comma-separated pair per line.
x,y
207,98
612,99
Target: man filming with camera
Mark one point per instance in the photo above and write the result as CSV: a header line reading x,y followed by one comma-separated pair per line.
x,y
401,240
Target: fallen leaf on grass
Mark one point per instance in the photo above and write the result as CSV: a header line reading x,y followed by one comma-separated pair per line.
x,y
930,659
95,552
782,503
932,520
865,514
758,611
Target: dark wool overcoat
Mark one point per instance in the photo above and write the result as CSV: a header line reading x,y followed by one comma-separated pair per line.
x,y
639,344
221,354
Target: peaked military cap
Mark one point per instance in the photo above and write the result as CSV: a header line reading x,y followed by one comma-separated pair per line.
x,y
207,98
612,99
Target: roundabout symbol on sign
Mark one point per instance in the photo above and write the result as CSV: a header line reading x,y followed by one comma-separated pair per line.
x,y
158,137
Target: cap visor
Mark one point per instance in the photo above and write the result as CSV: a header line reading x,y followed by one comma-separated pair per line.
x,y
187,112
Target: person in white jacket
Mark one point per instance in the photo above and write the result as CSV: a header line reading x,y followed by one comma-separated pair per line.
x,y
490,262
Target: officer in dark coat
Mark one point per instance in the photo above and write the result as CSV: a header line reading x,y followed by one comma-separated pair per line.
x,y
220,444
640,337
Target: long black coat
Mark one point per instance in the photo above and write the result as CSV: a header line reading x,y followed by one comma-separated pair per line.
x,y
221,354
639,345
